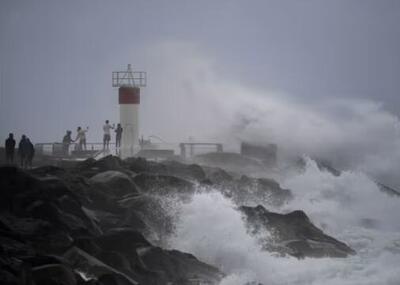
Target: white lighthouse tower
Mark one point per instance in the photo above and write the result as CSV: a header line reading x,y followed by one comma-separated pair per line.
x,y
129,83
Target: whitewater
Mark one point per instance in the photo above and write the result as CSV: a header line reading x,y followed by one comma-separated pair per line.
x,y
349,207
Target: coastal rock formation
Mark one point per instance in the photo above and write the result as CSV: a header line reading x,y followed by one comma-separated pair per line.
x,y
116,182
292,234
58,227
247,190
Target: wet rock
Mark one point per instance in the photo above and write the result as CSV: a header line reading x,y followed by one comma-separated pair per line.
x,y
115,279
219,176
56,274
155,216
118,183
91,219
163,184
91,167
92,267
250,191
191,172
179,266
292,234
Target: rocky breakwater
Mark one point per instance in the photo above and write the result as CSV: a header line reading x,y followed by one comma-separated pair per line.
x,y
108,222
89,224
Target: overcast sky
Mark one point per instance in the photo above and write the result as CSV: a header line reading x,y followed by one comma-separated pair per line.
x,y
56,57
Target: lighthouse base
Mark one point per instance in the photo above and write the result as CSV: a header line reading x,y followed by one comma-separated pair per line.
x,y
129,119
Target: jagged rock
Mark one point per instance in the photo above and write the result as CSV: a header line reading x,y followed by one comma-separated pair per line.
x,y
154,215
179,266
91,167
122,240
186,171
163,184
291,233
56,274
251,191
47,170
118,183
56,211
219,176
191,172
92,267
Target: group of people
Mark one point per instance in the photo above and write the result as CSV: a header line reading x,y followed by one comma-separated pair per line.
x,y
81,137
26,150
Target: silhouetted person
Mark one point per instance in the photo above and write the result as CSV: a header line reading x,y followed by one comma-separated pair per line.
x,y
23,150
118,136
10,148
81,137
30,153
107,135
67,140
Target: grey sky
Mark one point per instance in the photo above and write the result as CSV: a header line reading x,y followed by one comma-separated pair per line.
x,y
56,57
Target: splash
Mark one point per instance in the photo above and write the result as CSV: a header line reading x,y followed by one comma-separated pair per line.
x,y
349,207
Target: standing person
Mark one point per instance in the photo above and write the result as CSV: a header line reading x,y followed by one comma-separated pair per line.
x,y
118,136
81,137
67,140
30,153
107,135
23,150
10,148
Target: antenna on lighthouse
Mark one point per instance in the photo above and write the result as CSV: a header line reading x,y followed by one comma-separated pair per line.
x,y
129,83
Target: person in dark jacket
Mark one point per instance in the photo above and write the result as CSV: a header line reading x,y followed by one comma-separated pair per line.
x,y
118,136
67,140
10,148
30,153
23,150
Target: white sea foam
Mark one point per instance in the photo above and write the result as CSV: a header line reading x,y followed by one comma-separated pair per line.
x,y
349,207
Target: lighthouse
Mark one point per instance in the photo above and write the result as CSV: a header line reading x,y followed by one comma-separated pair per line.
x,y
129,83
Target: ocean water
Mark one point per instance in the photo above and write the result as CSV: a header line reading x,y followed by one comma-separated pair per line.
x,y
349,207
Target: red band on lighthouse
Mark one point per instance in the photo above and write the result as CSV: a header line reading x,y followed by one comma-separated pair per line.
x,y
129,95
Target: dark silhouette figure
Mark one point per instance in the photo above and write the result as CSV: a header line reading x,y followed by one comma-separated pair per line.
x,y
118,136
23,150
67,140
30,153
10,148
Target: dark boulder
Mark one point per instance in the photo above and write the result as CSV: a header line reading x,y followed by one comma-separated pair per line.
x,y
91,166
56,274
250,191
292,234
179,267
163,184
92,267
155,216
219,176
116,182
191,172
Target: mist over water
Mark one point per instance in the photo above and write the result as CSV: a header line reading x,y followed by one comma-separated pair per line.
x,y
352,133
349,207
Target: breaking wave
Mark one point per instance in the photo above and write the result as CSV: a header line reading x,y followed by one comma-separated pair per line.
x,y
350,207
